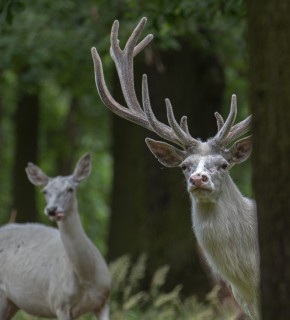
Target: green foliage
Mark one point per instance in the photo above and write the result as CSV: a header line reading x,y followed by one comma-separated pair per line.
x,y
50,40
8,8
45,48
130,303
7,92
201,22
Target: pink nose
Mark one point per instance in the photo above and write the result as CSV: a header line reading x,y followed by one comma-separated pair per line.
x,y
198,179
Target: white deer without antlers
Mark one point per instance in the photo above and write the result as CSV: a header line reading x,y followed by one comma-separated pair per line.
x,y
224,222
48,272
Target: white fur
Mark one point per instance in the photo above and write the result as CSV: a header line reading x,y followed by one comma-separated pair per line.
x,y
48,272
227,232
224,222
225,225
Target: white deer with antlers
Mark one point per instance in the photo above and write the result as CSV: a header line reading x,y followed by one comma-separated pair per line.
x,y
224,222
48,272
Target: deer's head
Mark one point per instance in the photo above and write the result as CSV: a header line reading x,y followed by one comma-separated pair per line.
x,y
59,192
205,164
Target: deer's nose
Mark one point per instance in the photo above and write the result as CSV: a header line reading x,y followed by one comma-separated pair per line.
x,y
198,179
51,211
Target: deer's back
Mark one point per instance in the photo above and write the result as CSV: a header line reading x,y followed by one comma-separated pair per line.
x,y
28,254
17,240
36,275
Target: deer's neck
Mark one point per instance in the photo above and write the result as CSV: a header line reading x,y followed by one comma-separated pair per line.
x,y
228,204
81,253
226,231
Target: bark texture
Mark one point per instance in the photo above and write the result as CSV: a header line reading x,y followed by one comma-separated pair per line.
x,y
269,38
26,135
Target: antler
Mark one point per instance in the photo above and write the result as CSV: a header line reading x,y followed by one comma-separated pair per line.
x,y
145,117
176,133
226,131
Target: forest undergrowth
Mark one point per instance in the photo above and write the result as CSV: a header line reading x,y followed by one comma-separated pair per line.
x,y
130,302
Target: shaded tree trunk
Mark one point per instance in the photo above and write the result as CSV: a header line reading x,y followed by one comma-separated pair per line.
x,y
1,117
26,135
269,36
70,139
1,133
150,205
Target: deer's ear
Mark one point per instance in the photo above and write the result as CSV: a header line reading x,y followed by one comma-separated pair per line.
x,y
83,168
168,155
240,151
35,175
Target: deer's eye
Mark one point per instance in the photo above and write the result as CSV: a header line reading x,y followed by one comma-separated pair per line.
x,y
183,167
224,166
70,190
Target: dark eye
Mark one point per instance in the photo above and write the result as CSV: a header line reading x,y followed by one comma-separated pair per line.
x,y
183,167
224,166
70,189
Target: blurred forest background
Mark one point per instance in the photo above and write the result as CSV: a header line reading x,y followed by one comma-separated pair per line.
x,y
50,114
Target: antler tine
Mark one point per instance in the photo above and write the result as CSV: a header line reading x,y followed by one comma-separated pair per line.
x,y
100,80
219,120
185,139
184,125
107,98
225,129
144,43
239,129
124,61
174,133
157,126
132,41
115,47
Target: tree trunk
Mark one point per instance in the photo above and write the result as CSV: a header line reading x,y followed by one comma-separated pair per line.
x,y
269,36
150,205
26,135
1,136
65,153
